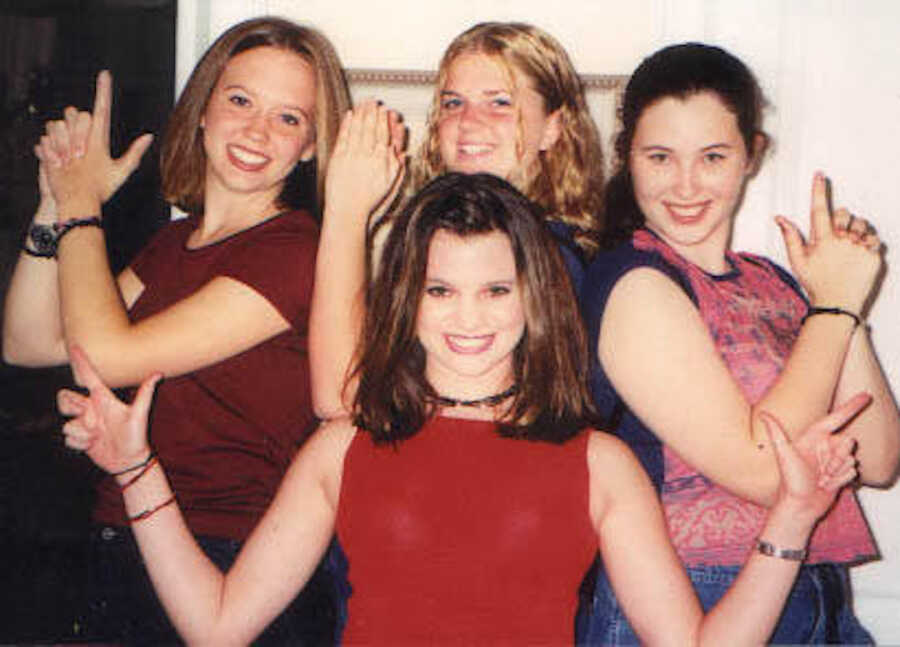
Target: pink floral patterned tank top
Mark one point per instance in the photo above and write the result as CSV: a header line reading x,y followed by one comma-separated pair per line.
x,y
753,316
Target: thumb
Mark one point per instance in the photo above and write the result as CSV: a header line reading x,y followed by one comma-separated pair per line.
x,y
132,157
144,397
793,242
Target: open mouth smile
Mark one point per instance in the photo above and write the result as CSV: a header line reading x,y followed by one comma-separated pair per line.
x,y
245,159
468,345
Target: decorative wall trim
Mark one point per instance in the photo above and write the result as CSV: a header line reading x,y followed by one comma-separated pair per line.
x,y
381,76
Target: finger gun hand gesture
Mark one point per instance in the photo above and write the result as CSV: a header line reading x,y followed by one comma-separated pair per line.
x,y
113,434
75,151
820,461
839,262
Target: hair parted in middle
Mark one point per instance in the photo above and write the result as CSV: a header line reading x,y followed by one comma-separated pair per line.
x,y
569,181
183,159
393,398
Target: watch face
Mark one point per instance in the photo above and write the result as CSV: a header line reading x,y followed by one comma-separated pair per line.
x,y
44,238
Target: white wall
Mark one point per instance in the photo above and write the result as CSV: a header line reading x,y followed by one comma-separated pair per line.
x,y
830,70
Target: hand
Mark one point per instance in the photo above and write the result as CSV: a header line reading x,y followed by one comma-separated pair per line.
x,y
75,152
819,463
367,164
46,210
840,262
111,432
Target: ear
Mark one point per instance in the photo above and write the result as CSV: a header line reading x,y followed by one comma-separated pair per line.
x,y
552,130
760,145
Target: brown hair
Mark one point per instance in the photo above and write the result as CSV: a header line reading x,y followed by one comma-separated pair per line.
x,y
569,181
183,159
393,399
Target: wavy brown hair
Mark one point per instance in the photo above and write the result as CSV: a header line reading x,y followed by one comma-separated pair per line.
x,y
568,183
394,399
183,159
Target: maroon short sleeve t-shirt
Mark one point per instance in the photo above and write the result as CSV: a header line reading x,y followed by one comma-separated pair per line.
x,y
227,432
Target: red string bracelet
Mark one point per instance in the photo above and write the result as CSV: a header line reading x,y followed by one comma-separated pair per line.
x,y
150,463
149,512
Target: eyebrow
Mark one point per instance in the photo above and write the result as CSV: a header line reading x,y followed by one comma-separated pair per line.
x,y
289,106
660,147
489,93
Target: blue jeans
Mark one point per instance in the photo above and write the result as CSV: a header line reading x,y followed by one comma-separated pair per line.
x,y
817,611
122,606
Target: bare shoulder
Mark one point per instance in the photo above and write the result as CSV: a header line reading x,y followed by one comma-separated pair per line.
x,y
643,283
610,458
617,478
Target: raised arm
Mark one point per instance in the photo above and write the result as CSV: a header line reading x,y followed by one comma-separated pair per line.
x,y
364,174
221,319
644,569
32,328
207,607
659,356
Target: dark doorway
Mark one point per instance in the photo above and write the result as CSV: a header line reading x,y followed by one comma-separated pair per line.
x,y
50,52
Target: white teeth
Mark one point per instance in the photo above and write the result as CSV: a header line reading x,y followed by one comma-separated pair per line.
x,y
246,156
474,149
687,211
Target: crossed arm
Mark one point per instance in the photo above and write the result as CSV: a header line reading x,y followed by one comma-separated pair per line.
x,y
76,299
659,356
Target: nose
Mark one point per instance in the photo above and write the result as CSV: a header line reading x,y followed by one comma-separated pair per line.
x,y
469,316
687,181
469,116
257,127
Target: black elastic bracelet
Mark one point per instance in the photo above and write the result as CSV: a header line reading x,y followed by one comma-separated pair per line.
x,y
69,225
815,310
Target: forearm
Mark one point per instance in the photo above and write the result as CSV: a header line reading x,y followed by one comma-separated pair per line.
x,y
32,328
749,611
877,428
805,388
189,586
335,322
93,315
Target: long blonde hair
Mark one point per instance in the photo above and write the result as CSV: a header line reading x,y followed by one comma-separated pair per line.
x,y
568,183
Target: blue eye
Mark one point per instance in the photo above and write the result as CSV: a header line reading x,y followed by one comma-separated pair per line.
x,y
451,103
499,290
502,102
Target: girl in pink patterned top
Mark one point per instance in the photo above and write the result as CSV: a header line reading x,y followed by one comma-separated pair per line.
x,y
693,341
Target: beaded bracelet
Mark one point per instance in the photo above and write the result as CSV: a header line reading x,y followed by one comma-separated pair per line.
x,y
815,310
771,550
149,512
64,228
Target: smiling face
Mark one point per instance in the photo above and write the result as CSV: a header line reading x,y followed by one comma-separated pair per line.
x,y
689,163
491,123
471,316
259,122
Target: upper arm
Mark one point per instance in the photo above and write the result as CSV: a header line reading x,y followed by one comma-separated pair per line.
x,y
284,549
643,568
660,358
221,319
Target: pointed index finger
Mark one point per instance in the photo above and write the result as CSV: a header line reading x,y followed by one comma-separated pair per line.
x,y
819,216
84,371
844,413
102,109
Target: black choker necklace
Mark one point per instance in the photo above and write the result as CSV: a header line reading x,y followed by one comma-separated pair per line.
x,y
487,401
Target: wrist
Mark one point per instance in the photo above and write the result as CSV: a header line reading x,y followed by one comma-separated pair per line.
x,y
789,524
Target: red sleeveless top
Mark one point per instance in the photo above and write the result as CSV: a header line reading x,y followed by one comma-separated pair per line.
x,y
461,536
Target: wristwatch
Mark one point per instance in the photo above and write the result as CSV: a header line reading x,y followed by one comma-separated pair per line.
x,y
43,237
